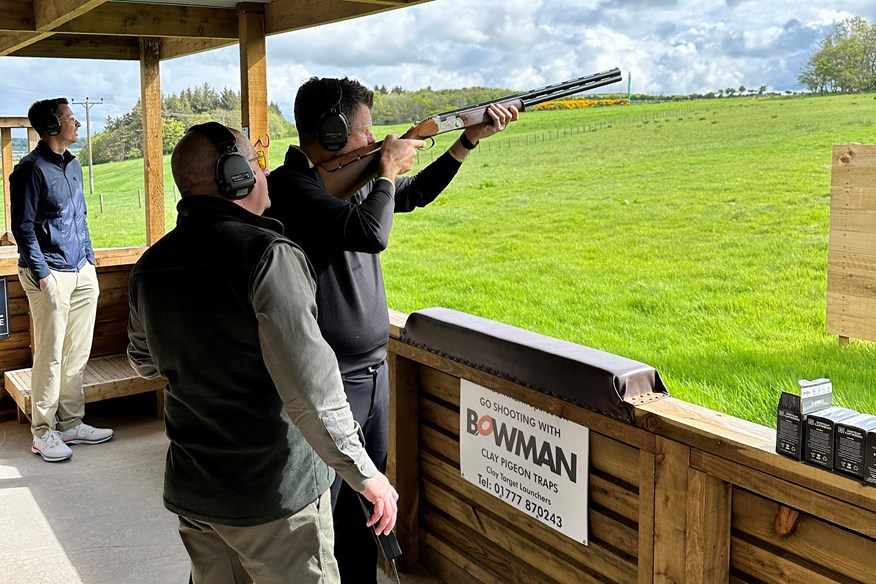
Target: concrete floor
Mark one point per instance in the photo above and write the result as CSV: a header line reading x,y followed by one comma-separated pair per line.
x,y
97,518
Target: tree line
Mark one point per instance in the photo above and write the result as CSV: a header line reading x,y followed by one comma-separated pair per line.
x,y
845,60
122,139
122,136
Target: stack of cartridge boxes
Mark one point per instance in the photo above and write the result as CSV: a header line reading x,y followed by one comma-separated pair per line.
x,y
810,428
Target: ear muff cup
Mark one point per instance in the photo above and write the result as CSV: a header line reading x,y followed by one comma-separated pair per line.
x,y
234,175
332,129
52,124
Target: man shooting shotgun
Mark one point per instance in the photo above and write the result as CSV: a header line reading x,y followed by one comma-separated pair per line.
x,y
344,174
336,194
343,240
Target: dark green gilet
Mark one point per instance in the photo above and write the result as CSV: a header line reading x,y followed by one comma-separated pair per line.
x,y
235,458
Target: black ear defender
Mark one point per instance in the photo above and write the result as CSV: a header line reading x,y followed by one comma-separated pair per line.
x,y
234,175
52,123
332,129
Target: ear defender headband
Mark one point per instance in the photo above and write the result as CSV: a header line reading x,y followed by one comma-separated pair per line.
x,y
332,129
234,175
52,123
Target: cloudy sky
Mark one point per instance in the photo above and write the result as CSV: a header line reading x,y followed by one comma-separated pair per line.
x,y
662,46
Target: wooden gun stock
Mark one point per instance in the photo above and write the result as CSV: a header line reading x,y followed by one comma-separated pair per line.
x,y
346,174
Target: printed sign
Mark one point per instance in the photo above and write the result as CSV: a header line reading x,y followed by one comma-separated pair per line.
x,y
4,309
533,460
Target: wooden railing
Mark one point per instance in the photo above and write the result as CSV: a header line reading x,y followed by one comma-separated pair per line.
x,y
110,329
683,494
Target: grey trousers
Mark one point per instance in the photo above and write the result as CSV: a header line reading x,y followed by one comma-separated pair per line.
x,y
291,550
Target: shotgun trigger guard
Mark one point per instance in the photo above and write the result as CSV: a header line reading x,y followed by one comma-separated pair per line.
x,y
431,143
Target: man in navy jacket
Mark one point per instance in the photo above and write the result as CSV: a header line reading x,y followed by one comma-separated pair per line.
x,y
56,268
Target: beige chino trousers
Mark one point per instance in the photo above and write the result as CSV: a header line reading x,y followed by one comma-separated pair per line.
x,y
63,318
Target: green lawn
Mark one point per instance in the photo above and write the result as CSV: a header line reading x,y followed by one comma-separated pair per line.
x,y
690,236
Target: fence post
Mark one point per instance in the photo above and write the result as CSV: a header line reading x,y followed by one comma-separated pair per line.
x,y
139,201
100,195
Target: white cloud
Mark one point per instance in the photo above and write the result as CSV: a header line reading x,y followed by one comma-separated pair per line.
x,y
666,46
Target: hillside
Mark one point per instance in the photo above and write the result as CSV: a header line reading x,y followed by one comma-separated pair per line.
x,y
691,236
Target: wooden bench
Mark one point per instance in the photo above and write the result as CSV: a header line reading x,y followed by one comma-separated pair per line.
x,y
105,378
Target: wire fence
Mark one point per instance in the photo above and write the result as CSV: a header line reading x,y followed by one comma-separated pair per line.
x,y
518,140
111,201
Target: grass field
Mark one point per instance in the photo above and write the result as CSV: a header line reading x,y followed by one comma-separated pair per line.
x,y
690,236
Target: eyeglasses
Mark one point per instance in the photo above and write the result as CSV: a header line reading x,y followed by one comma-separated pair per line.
x,y
366,129
71,119
261,153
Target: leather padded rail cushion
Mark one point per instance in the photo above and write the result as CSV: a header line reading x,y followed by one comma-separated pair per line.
x,y
583,376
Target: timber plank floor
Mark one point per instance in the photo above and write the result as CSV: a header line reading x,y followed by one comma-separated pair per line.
x,y
97,518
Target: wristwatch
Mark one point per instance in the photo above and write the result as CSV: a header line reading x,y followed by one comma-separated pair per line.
x,y
466,143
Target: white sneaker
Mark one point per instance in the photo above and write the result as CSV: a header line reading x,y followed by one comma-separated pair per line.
x,y
85,434
51,447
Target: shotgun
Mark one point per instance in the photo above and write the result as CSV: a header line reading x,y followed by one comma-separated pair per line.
x,y
344,175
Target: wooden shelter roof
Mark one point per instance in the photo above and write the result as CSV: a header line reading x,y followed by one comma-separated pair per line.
x,y
107,29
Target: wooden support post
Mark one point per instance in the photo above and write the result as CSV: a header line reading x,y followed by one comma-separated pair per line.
x,y
670,512
403,459
253,70
708,534
6,144
32,139
153,159
647,470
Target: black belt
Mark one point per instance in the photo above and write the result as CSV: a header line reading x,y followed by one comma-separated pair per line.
x,y
370,370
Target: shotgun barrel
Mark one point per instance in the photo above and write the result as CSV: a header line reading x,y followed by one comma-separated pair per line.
x,y
474,114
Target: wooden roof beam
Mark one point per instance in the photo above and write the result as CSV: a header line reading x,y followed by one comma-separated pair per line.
x,y
155,21
393,3
14,122
79,47
49,14
177,47
134,19
286,16
11,42
17,16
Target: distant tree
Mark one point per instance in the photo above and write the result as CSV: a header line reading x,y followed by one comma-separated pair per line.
x,y
229,100
845,60
172,129
204,99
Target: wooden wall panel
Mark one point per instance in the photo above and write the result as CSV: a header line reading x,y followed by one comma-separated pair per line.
x,y
851,262
462,522
828,550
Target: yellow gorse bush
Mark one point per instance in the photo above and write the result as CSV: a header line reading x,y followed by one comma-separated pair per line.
x,y
579,103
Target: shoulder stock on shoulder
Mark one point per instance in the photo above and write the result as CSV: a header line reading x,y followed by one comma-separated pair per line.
x,y
343,175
